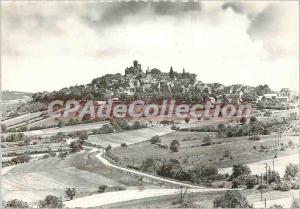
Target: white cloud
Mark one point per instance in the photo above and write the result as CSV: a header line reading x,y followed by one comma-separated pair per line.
x,y
213,43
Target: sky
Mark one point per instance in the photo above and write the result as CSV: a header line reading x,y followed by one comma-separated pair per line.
x,y
51,45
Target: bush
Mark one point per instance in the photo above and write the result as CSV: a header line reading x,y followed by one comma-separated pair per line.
x,y
174,146
155,140
204,173
273,176
76,145
263,186
291,171
123,145
227,153
231,199
118,188
70,192
284,186
239,170
207,141
276,206
250,182
253,119
51,201
21,159
175,128
254,138
102,188
16,204
243,120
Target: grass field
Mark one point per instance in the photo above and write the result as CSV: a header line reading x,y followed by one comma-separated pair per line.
x,y
191,153
32,181
128,137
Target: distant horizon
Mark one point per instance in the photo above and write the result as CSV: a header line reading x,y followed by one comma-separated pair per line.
x,y
144,70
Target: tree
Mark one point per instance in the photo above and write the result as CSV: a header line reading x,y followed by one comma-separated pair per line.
x,y
16,204
240,169
70,192
251,181
253,119
204,173
102,188
174,146
155,140
171,73
108,148
76,145
3,128
187,120
62,155
51,201
273,176
83,135
124,145
207,141
291,171
232,199
243,120
60,124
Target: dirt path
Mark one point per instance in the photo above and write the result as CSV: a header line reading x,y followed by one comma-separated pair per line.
x,y
177,183
122,196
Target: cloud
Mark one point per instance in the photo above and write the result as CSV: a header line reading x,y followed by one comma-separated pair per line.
x,y
274,23
58,44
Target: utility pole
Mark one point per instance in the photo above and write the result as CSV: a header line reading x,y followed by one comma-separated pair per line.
x,y
265,202
261,188
273,160
266,164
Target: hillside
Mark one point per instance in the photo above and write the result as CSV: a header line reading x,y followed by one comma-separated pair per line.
x,y
14,95
153,84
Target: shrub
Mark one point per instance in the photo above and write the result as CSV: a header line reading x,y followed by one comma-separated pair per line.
x,y
254,138
276,206
284,186
70,192
294,185
102,188
243,120
108,148
253,119
227,153
231,199
174,146
76,145
51,201
239,170
175,128
263,186
291,171
21,159
118,188
207,141
250,182
155,140
237,182
204,173
273,176
62,155
124,145
16,204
